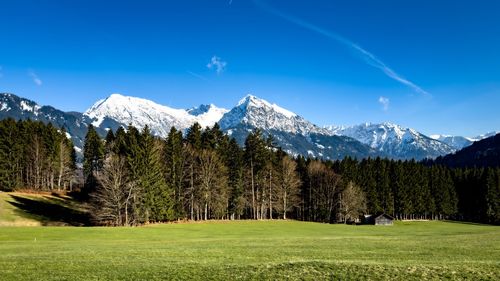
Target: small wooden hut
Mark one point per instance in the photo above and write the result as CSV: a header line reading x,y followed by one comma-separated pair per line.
x,y
384,219
380,219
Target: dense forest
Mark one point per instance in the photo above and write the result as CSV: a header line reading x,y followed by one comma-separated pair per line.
x,y
35,156
132,178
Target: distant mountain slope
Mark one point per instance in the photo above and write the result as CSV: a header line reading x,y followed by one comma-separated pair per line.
x,y
118,110
293,133
259,113
456,142
483,153
12,106
459,142
484,136
395,141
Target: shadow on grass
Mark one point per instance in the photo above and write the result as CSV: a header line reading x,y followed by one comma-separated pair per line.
x,y
49,211
471,223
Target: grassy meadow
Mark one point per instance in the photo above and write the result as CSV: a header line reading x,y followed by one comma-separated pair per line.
x,y
242,250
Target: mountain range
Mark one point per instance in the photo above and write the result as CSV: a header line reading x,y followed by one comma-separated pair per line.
x,y
482,153
293,133
458,142
395,141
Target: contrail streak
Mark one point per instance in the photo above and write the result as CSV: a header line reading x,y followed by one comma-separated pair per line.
x,y
370,58
194,74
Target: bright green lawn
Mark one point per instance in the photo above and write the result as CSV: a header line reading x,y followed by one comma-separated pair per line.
x,y
235,250
252,250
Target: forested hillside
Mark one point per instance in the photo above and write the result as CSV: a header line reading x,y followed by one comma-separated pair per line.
x,y
35,156
132,178
206,175
483,153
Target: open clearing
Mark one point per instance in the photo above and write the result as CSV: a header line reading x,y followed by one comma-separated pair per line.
x,y
256,250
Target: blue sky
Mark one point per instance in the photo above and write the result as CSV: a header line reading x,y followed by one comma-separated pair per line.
x,y
430,65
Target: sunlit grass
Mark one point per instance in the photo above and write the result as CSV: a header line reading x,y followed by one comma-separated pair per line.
x,y
253,250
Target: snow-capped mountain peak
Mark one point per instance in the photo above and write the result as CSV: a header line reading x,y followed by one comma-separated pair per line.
x,y
459,142
253,101
395,140
10,101
123,110
484,136
259,113
293,133
207,115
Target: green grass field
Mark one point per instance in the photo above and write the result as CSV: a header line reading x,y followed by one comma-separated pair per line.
x,y
250,250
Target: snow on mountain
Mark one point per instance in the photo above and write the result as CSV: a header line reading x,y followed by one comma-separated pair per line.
x,y
12,106
199,110
259,113
139,112
292,133
27,106
207,115
13,103
459,142
124,110
456,142
484,136
396,141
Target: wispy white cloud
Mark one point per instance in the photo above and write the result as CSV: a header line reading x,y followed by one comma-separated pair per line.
x,y
384,102
35,78
218,64
199,76
367,56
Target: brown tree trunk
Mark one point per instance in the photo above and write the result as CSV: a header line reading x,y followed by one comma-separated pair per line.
x,y
270,193
253,190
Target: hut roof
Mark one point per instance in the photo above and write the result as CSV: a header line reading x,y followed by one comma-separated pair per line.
x,y
384,215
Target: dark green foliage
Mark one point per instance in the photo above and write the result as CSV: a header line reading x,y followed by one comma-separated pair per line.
x,y
93,156
120,143
157,196
234,161
207,175
483,153
93,152
108,141
174,159
492,207
256,156
35,156
9,155
193,136
134,179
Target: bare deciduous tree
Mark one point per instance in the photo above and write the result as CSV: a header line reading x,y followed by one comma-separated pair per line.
x,y
65,171
288,187
322,191
213,191
352,202
114,194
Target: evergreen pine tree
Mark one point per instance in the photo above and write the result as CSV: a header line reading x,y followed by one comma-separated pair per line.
x,y
157,196
174,169
109,141
93,155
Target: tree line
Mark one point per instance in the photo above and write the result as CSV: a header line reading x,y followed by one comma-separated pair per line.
x,y
204,174
36,156
411,190
131,178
